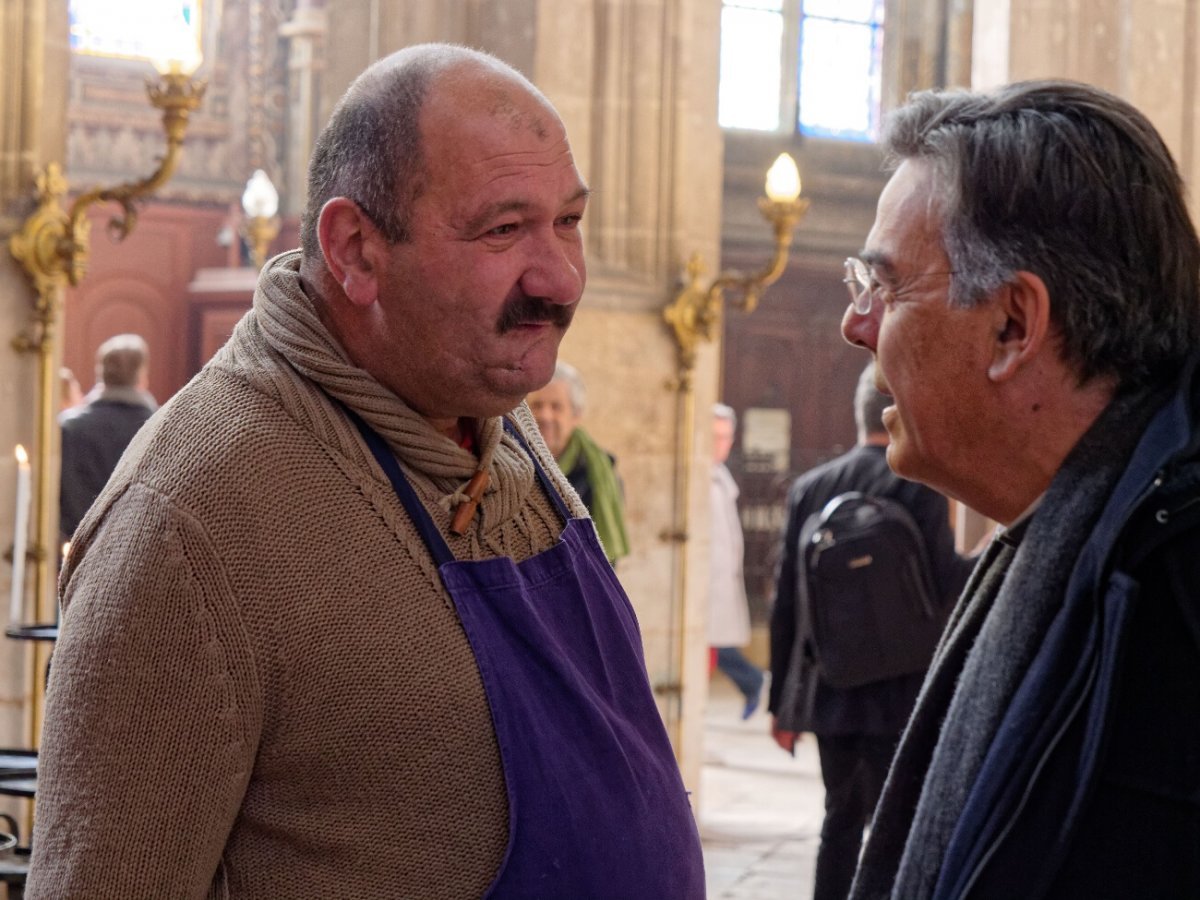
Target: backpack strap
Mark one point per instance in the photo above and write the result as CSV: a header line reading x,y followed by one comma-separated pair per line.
x,y
800,684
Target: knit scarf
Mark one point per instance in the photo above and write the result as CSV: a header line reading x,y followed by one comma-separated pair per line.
x,y
607,508
285,318
994,633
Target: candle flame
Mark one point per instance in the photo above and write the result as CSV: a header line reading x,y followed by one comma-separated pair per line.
x,y
22,456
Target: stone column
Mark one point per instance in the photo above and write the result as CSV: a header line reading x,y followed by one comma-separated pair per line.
x,y
305,33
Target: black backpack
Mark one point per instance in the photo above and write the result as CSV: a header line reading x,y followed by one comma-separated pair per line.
x,y
873,611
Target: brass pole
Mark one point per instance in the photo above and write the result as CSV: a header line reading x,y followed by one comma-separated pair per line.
x,y
47,408
685,419
45,518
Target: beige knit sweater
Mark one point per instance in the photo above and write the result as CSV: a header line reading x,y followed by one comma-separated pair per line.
x,y
261,689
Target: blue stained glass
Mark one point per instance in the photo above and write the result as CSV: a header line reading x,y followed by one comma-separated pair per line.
x,y
750,81
839,79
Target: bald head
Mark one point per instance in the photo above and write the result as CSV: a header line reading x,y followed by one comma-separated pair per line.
x,y
372,149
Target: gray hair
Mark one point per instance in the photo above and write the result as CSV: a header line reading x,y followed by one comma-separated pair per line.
x,y
371,149
1073,184
569,375
121,359
723,411
869,403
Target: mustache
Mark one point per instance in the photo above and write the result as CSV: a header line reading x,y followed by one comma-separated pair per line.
x,y
525,309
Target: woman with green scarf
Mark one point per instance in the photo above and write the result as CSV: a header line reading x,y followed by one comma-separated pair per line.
x,y
558,408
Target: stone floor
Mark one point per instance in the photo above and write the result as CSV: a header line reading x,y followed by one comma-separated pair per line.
x,y
760,809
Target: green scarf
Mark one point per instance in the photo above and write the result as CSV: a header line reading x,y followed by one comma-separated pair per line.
x,y
607,507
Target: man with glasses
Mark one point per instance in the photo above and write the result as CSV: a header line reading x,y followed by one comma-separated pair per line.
x,y
1030,293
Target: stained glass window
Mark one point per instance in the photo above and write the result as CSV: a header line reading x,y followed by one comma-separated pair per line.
x,y
136,29
841,45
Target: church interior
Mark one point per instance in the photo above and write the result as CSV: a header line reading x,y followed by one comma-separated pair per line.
x,y
699,290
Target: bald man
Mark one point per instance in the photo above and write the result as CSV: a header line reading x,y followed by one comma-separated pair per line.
x,y
339,628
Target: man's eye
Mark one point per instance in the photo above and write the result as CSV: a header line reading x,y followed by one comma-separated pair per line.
x,y
571,221
502,230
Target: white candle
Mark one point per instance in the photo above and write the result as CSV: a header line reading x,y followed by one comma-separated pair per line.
x,y
20,537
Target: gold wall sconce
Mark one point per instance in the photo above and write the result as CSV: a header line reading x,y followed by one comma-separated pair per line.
x,y
260,203
52,247
694,315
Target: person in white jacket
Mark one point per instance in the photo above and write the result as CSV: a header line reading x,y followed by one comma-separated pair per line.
x,y
729,614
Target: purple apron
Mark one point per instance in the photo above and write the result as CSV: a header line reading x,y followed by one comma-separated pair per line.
x,y
596,805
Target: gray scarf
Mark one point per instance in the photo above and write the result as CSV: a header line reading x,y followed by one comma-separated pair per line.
x,y
995,631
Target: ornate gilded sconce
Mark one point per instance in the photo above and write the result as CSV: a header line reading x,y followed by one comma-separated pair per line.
x,y
260,203
52,247
694,315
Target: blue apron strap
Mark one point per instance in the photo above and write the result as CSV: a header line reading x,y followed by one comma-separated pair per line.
x,y
559,503
434,541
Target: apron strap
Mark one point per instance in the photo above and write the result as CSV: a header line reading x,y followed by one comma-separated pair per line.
x,y
559,503
438,548
434,541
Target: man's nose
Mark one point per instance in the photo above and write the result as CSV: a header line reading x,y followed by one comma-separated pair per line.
x,y
555,270
861,329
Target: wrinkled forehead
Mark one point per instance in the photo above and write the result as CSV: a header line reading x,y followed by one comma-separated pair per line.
x,y
472,93
908,218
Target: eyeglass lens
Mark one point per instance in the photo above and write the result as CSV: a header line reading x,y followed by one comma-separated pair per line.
x,y
858,283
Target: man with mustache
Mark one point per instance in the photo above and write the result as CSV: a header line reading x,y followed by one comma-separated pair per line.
x,y
336,628
1031,293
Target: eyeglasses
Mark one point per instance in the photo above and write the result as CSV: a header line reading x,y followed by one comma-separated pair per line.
x,y
863,286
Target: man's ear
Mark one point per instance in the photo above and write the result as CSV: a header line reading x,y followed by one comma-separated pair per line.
x,y
348,242
1022,325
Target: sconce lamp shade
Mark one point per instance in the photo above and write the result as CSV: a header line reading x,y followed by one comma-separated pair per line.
x,y
783,179
180,52
260,199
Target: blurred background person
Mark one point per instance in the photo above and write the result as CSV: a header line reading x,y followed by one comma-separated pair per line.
x,y
729,611
96,432
558,409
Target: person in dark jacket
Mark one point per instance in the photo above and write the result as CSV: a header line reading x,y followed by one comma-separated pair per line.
x,y
1031,293
96,433
856,727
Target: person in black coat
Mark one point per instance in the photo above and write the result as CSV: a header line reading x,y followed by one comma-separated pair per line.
x,y
856,728
95,434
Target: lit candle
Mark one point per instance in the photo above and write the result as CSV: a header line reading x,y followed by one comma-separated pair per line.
x,y
20,537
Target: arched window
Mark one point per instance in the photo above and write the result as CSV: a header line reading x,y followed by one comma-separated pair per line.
x,y
807,65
